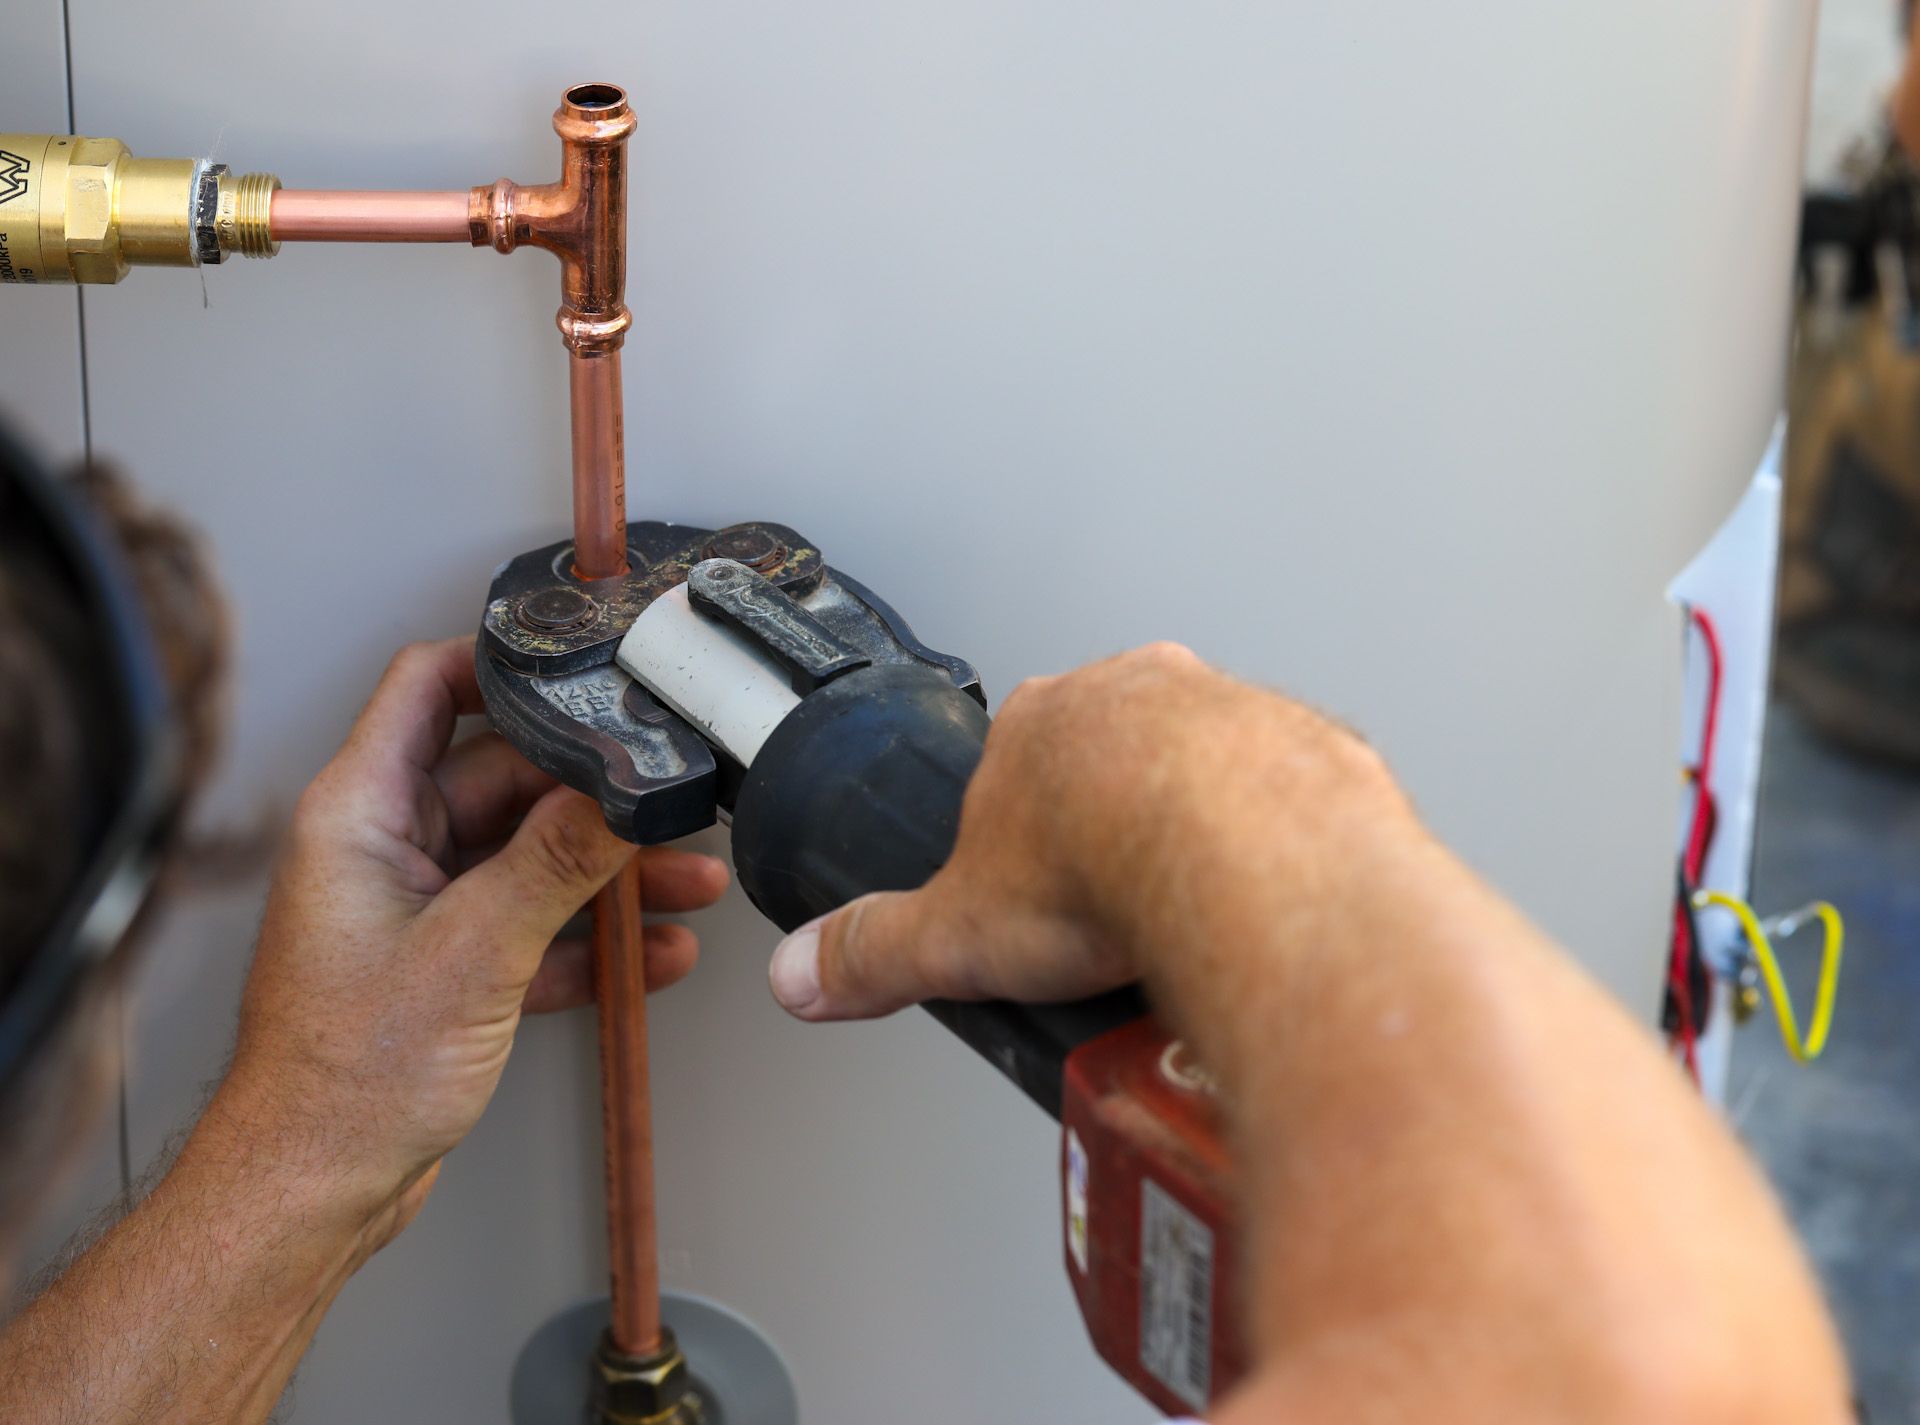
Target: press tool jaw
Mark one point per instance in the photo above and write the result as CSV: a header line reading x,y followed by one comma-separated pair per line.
x,y
734,672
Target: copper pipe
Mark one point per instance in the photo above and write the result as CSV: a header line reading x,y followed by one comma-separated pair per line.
x,y
582,219
311,216
599,465
620,981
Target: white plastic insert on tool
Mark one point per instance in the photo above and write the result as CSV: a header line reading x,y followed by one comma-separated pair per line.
x,y
708,673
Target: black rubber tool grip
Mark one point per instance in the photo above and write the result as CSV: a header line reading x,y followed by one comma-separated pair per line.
x,y
859,789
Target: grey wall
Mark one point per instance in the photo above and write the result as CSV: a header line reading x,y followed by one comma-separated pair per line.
x,y
1395,353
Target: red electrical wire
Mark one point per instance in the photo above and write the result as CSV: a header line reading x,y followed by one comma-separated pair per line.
x,y
1701,831
1679,985
1699,838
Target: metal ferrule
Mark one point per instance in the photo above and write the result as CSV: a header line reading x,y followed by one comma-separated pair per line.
x,y
244,213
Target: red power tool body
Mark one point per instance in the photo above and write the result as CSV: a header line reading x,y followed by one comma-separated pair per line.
x,y
1151,1245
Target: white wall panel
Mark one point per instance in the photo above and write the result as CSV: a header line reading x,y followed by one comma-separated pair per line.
x,y
1397,353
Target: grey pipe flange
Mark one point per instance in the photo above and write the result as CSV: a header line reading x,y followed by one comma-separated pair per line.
x,y
736,1371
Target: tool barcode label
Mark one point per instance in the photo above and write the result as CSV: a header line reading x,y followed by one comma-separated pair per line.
x,y
1176,1295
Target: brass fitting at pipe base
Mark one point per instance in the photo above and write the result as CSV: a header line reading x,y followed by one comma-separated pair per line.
x,y
643,1390
78,209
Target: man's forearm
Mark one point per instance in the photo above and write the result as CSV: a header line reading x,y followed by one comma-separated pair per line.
x,y
197,1306
1476,1188
379,1012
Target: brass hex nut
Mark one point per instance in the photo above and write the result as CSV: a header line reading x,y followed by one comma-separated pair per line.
x,y
93,244
650,1390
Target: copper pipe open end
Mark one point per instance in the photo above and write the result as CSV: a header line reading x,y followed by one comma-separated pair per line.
x,y
594,101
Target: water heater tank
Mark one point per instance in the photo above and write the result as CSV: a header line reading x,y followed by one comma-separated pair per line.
x,y
1396,353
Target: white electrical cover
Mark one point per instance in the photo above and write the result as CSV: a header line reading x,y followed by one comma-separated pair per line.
x,y
727,687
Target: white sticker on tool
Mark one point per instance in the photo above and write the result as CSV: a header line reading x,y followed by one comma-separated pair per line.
x,y
1077,1201
1176,1295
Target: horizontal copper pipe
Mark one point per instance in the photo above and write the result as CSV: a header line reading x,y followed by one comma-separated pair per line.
x,y
312,216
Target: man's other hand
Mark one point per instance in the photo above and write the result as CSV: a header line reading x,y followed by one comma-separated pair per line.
x,y
1095,812
412,920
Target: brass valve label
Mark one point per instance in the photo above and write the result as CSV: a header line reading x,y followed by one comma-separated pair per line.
x,y
23,164
13,175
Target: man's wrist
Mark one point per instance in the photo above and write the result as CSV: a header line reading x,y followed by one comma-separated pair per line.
x,y
1285,819
1282,857
264,1146
212,1286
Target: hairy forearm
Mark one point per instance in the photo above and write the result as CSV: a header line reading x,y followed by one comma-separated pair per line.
x,y
1475,1188
197,1306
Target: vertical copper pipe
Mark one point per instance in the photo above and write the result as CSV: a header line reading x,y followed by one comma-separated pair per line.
x,y
600,552
620,979
583,219
599,464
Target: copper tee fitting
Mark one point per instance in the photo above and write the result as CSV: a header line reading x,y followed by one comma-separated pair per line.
x,y
582,219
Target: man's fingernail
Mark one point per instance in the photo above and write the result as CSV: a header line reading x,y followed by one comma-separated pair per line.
x,y
795,971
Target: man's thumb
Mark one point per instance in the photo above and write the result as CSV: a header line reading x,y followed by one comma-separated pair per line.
x,y
864,960
559,857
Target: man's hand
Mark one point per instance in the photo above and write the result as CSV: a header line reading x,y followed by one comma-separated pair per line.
x,y
1418,1087
1095,797
411,921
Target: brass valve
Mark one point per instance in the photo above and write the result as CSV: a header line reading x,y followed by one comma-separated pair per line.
x,y
86,210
